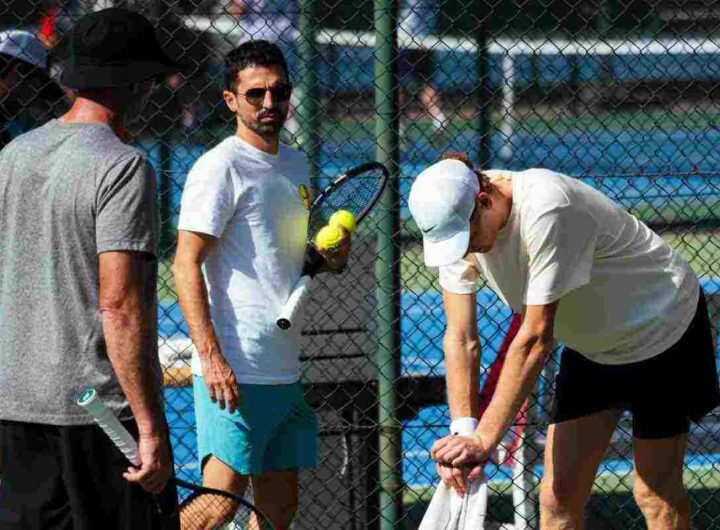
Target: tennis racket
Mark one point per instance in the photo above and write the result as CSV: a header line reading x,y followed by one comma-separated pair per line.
x,y
356,191
198,507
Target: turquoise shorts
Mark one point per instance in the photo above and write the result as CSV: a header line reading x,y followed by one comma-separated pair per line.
x,y
273,429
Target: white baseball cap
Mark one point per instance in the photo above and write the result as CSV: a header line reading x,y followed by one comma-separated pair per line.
x,y
442,200
24,46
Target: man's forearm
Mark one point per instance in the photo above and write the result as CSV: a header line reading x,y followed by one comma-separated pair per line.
x,y
523,365
195,307
461,367
126,328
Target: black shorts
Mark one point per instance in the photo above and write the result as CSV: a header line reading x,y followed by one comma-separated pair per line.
x,y
71,478
664,393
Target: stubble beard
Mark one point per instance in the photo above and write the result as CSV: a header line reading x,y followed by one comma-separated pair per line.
x,y
268,131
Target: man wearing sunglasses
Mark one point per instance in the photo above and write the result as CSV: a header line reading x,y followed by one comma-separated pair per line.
x,y
581,269
241,246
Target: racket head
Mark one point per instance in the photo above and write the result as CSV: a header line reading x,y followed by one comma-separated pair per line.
x,y
202,507
356,191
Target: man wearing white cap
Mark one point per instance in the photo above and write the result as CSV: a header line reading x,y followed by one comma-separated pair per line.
x,y
580,269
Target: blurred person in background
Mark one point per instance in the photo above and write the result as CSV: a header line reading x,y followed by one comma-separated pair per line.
x,y
417,19
270,20
27,93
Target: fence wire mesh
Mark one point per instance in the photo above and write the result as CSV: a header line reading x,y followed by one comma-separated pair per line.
x,y
623,95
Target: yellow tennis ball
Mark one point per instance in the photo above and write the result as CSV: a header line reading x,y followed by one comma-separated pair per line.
x,y
329,237
343,218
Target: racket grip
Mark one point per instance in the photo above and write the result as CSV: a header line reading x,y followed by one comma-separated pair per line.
x,y
124,441
297,298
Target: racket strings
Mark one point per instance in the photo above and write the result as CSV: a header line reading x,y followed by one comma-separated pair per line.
x,y
202,511
356,194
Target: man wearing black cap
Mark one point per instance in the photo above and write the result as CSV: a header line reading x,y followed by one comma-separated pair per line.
x,y
78,269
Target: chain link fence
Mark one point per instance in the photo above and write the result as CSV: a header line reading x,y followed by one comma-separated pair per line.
x,y
624,95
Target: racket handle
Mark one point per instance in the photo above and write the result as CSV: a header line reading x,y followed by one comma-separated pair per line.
x,y
298,296
90,401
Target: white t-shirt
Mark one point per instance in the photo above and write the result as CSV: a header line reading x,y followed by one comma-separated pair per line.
x,y
625,294
250,201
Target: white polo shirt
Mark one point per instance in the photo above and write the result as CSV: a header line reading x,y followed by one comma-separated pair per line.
x,y
625,295
250,201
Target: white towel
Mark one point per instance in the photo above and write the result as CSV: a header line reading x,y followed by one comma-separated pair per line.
x,y
449,511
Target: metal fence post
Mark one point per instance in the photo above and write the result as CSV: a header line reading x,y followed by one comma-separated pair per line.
x,y
167,230
388,266
165,145
483,90
307,107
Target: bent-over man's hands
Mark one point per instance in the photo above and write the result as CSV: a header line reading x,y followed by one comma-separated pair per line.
x,y
460,459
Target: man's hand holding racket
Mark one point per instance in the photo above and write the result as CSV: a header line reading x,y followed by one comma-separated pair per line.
x,y
199,507
334,241
336,258
155,465
333,216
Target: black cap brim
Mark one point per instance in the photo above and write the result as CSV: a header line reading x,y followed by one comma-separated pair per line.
x,y
79,76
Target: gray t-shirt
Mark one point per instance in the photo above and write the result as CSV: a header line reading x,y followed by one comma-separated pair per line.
x,y
68,192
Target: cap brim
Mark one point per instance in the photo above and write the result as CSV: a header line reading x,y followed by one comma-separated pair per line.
x,y
95,77
447,251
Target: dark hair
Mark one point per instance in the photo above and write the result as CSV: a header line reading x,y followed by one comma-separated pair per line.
x,y
252,53
462,157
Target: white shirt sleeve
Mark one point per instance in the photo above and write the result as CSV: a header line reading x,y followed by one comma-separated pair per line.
x,y
560,245
209,198
460,277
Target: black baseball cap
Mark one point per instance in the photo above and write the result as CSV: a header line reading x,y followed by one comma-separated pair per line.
x,y
114,47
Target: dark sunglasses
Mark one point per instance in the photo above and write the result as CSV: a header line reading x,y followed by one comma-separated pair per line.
x,y
256,96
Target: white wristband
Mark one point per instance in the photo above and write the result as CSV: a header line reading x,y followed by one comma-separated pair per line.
x,y
463,426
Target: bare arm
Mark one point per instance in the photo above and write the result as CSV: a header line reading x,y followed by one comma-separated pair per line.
x,y
523,364
462,354
127,323
192,250
126,319
462,364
